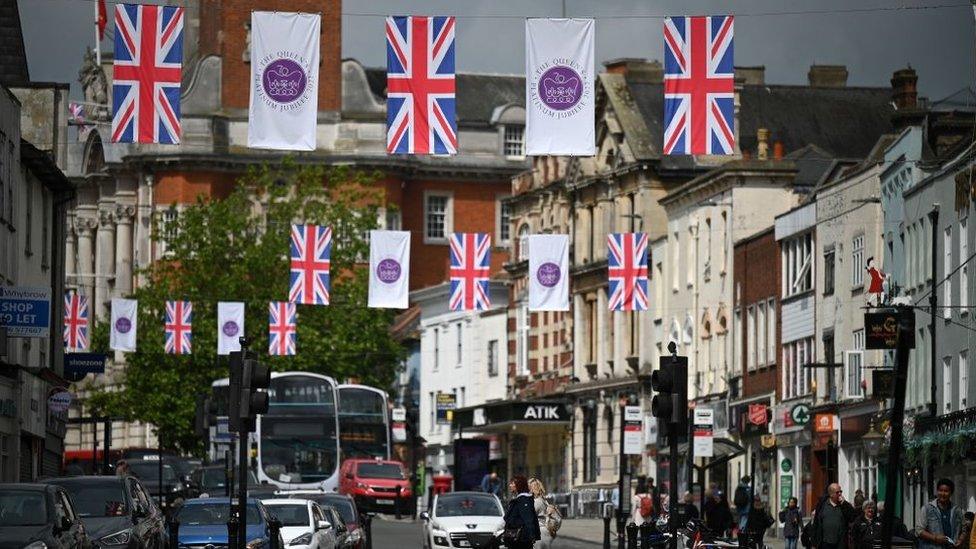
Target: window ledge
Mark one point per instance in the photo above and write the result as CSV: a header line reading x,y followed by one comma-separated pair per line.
x,y
435,241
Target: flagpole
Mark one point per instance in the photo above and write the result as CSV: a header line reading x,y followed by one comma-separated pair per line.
x,y
98,47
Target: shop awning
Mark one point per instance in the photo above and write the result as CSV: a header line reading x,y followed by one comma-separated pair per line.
x,y
506,414
723,451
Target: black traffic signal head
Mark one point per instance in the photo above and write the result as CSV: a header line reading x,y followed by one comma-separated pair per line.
x,y
254,402
670,381
236,362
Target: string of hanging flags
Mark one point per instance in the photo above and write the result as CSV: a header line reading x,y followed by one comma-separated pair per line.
x,y
389,274
421,98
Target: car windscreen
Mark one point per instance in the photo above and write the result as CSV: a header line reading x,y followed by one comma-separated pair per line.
x,y
342,506
97,499
213,514
22,508
452,505
149,471
216,477
380,470
290,514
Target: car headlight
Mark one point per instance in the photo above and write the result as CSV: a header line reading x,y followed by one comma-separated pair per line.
x,y
255,544
363,486
118,538
37,545
440,537
355,536
303,539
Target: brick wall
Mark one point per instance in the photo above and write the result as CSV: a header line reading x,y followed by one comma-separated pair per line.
x,y
185,187
756,272
229,43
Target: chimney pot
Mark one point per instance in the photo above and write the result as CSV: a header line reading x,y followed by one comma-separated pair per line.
x,y
762,148
904,88
778,150
827,76
637,69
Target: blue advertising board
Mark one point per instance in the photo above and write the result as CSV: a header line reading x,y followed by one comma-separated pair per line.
x,y
25,311
78,365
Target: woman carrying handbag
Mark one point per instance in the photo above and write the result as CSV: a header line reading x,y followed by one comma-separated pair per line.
x,y
521,524
547,514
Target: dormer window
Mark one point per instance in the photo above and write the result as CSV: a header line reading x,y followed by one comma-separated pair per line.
x,y
514,142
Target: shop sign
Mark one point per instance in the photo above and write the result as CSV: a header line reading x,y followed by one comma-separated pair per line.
x,y
25,310
399,431
633,431
883,383
650,430
78,365
825,423
767,441
446,403
800,414
704,440
757,414
785,490
59,401
786,465
881,329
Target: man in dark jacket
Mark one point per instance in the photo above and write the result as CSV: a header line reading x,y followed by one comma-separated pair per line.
x,y
758,521
832,519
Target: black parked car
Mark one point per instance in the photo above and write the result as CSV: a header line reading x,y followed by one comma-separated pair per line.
x,y
117,511
211,481
174,490
39,516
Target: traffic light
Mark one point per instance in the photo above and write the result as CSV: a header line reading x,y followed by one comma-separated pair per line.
x,y
236,362
252,401
670,381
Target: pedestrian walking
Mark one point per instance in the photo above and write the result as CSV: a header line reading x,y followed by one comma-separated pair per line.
x,y
792,521
866,529
741,499
521,523
758,521
831,520
491,484
548,515
718,517
121,468
943,519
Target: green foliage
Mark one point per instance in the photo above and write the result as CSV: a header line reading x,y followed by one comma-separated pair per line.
x,y
236,249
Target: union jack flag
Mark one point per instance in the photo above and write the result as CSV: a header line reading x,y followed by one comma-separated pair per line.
x,y
420,104
627,260
147,71
76,322
698,85
77,111
179,327
470,262
311,249
282,324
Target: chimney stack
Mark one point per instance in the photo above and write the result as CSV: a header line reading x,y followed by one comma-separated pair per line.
x,y
636,69
762,147
904,88
751,76
827,76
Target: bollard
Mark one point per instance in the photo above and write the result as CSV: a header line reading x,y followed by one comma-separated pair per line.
x,y
396,504
606,532
232,531
368,526
631,536
174,534
645,534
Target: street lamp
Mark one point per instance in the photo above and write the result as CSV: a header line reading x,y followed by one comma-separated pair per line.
x,y
873,441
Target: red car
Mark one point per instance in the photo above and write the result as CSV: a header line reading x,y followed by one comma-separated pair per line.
x,y
373,484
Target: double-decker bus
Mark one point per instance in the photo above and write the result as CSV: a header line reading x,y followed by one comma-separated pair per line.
x,y
364,429
297,440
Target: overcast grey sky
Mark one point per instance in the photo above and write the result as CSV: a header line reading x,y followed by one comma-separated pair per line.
x,y
938,43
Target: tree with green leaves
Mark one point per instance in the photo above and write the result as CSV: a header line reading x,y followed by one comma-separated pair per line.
x,y
237,249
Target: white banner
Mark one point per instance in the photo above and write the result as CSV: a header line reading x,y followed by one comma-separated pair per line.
x,y
230,326
548,272
389,269
559,95
633,431
124,319
284,80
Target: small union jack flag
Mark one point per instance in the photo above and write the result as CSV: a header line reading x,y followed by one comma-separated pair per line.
x,y
470,263
698,85
627,259
420,101
76,322
146,74
179,327
311,250
282,325
77,111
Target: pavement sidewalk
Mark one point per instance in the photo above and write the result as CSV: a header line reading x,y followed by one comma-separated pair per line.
x,y
591,531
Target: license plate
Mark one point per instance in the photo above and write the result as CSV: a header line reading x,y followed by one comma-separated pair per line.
x,y
385,501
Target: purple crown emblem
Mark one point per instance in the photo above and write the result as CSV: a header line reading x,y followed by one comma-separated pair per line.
x,y
388,271
123,325
230,328
284,80
548,274
560,88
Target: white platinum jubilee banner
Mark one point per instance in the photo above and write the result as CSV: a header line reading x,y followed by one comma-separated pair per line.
x,y
559,94
549,272
284,80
